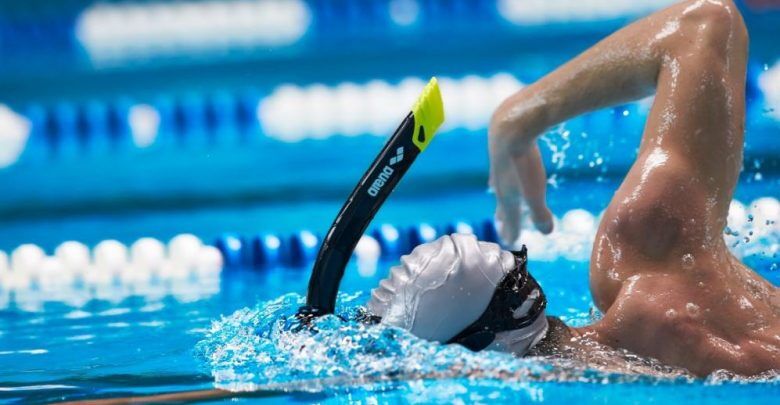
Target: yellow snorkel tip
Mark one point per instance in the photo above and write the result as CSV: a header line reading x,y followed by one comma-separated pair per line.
x,y
428,112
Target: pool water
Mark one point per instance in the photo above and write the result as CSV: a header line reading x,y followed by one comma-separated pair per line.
x,y
132,339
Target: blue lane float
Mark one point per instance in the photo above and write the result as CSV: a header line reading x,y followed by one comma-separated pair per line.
x,y
265,251
419,234
299,249
222,114
486,231
37,147
118,122
65,116
95,122
389,239
194,117
233,250
246,113
165,106
229,116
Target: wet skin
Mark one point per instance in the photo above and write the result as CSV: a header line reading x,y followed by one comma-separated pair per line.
x,y
660,270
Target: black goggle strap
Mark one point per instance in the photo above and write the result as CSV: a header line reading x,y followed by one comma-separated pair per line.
x,y
513,290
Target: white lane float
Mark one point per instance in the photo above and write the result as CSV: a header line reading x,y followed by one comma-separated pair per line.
x,y
209,261
146,255
183,252
367,253
149,268
74,256
110,256
5,266
27,258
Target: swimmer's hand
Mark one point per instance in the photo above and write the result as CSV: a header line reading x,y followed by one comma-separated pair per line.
x,y
518,179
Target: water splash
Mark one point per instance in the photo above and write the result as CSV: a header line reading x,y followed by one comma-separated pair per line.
x,y
264,348
558,142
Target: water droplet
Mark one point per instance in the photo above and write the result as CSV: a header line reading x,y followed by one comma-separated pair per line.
x,y
688,261
692,309
626,113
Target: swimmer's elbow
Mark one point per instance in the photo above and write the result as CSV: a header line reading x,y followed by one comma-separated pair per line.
x,y
717,22
500,129
502,120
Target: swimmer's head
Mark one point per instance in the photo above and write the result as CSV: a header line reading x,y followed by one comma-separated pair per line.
x,y
460,290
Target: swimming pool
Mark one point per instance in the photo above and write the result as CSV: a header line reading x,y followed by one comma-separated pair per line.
x,y
131,145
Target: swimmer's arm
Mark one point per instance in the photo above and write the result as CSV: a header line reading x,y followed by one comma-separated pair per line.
x,y
620,68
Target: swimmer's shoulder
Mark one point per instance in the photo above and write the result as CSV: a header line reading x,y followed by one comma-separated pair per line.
x,y
653,304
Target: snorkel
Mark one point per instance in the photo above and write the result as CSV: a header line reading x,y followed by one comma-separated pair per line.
x,y
410,139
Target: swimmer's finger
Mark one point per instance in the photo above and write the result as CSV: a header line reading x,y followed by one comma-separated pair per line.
x,y
506,186
532,181
507,226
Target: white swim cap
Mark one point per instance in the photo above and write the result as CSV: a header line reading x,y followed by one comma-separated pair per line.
x,y
458,285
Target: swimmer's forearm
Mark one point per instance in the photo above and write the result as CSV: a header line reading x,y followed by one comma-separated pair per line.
x,y
624,66
620,68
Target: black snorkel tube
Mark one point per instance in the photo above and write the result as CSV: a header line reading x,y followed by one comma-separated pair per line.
x,y
409,140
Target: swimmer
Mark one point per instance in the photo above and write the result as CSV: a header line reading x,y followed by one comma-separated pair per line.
x,y
660,271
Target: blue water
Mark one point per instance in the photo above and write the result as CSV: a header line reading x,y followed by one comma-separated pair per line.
x,y
145,344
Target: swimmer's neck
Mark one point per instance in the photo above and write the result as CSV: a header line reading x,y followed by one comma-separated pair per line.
x,y
560,338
